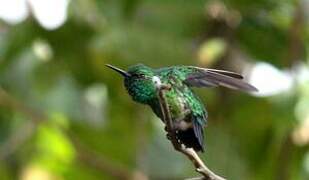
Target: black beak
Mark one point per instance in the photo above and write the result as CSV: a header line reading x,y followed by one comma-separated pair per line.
x,y
120,71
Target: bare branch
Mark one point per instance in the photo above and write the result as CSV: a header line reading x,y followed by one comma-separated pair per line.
x,y
17,139
200,167
25,131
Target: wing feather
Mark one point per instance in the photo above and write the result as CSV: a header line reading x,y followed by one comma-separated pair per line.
x,y
200,77
227,73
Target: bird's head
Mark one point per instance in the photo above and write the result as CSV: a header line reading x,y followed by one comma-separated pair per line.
x,y
140,82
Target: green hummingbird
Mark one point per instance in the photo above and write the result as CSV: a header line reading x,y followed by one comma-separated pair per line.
x,y
188,113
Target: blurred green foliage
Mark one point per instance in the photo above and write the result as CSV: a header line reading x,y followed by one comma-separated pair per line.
x,y
64,115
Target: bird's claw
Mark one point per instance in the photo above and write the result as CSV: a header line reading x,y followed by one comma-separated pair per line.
x,y
168,136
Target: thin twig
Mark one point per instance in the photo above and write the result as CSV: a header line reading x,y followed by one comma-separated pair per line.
x,y
25,131
12,144
200,167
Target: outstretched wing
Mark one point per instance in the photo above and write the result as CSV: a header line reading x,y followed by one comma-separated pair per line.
x,y
203,77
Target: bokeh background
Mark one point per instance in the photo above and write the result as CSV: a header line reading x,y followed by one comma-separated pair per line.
x,y
64,115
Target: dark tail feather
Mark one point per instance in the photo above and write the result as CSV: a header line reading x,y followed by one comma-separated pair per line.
x,y
189,139
198,131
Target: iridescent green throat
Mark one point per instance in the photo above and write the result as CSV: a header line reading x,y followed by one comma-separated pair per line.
x,y
140,85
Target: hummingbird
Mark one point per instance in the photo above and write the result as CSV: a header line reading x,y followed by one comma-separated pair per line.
x,y
188,114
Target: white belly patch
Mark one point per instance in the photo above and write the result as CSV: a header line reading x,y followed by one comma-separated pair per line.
x,y
183,125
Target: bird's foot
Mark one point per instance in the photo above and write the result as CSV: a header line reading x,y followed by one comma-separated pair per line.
x,y
165,87
168,136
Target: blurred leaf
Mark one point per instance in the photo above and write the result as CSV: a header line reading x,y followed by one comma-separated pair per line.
x,y
54,150
34,172
211,50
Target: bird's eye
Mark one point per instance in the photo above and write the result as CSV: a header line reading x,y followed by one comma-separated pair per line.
x,y
139,76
